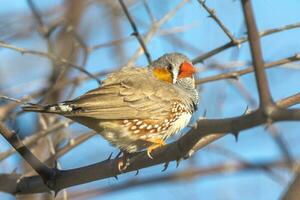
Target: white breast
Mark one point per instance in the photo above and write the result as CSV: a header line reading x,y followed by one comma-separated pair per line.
x,y
180,123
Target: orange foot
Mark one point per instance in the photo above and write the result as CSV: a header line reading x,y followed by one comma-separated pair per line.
x,y
123,162
122,165
156,144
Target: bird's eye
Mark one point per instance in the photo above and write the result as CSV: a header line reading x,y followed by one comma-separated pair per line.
x,y
170,67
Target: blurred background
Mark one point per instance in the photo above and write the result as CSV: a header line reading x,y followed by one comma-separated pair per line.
x,y
96,35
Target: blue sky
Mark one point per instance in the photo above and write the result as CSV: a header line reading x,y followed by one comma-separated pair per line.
x,y
220,99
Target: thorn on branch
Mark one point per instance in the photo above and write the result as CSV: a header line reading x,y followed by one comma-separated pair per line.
x,y
109,157
166,165
178,161
236,136
246,110
135,31
134,34
14,171
204,114
212,14
55,194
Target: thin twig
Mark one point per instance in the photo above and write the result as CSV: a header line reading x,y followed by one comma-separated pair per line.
x,y
14,100
236,157
136,31
42,27
154,28
217,50
162,32
72,144
51,57
212,14
32,140
45,172
148,10
238,73
293,192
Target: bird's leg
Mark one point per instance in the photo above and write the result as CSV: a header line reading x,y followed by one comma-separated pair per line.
x,y
123,162
157,142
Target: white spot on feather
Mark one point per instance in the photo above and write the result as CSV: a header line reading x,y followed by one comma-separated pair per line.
x,y
109,135
143,126
136,131
139,123
149,127
65,108
52,108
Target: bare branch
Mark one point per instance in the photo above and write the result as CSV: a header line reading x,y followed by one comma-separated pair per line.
x,y
51,57
173,151
212,14
293,192
185,175
45,172
217,50
154,28
72,144
257,59
237,74
42,28
29,142
136,31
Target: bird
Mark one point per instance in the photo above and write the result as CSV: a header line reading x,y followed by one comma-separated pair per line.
x,y
136,108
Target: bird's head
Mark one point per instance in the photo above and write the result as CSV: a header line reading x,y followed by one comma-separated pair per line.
x,y
173,68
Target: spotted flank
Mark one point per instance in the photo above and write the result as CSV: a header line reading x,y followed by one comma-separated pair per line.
x,y
162,129
138,134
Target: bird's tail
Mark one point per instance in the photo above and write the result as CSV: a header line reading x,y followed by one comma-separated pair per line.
x,y
54,108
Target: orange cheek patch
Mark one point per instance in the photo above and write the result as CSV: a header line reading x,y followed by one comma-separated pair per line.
x,y
163,75
186,70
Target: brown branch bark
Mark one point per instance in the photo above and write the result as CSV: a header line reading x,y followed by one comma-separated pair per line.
x,y
136,32
171,152
210,129
44,172
293,192
212,14
257,59
188,174
238,73
242,40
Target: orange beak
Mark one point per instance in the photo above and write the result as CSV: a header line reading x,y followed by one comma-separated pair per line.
x,y
186,70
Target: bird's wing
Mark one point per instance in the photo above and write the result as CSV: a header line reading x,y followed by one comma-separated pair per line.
x,y
133,94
